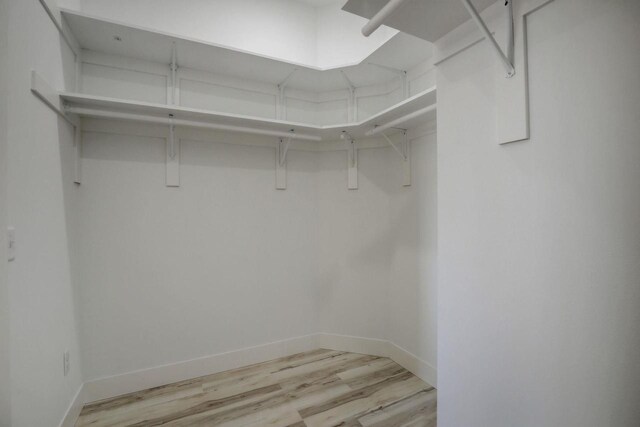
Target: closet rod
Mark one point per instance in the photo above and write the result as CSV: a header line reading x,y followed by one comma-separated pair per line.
x,y
394,123
379,17
188,123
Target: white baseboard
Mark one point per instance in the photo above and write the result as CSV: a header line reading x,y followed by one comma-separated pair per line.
x,y
420,368
373,346
378,347
73,412
104,388
108,387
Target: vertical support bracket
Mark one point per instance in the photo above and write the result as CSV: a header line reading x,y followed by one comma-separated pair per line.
x,y
505,59
173,143
404,151
404,82
173,156
352,105
352,161
281,99
281,164
77,146
174,76
406,167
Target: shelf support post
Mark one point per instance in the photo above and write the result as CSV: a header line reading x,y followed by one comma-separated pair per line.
x,y
280,102
173,156
351,101
405,154
505,59
404,82
173,143
281,165
352,161
77,146
173,95
406,166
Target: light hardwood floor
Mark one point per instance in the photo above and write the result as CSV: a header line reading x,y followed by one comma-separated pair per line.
x,y
313,389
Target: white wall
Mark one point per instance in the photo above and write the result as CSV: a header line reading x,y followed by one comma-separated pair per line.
x,y
289,30
169,274
227,262
413,291
277,28
539,241
378,259
42,322
5,381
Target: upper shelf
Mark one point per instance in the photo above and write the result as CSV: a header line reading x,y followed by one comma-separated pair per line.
x,y
103,107
426,19
401,52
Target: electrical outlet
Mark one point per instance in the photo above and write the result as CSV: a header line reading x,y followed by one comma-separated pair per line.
x,y
11,243
65,362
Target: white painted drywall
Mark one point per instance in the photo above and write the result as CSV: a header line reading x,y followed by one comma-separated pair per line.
x,y
289,30
378,248
170,274
5,380
42,324
413,291
227,262
539,242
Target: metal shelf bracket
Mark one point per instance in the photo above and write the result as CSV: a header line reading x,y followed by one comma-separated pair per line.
x,y
507,59
282,148
404,151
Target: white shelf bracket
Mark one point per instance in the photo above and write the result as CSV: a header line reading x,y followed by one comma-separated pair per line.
x,y
400,150
284,151
402,74
77,146
404,151
281,164
352,161
173,67
351,101
281,100
173,156
51,98
507,59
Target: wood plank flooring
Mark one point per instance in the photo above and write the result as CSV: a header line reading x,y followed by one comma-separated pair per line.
x,y
320,388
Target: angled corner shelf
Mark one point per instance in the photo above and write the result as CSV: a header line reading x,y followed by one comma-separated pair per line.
x,y
400,52
416,109
183,58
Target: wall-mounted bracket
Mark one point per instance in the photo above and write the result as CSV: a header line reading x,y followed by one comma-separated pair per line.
x,y
404,151
173,67
402,74
281,166
507,59
281,100
77,146
352,105
352,161
173,156
50,97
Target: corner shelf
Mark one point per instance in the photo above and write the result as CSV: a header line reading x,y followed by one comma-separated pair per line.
x,y
400,52
391,61
104,107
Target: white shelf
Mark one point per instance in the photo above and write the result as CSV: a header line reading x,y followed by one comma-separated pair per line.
x,y
105,107
401,52
426,19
